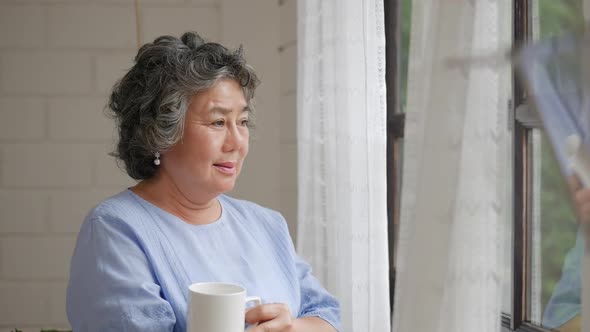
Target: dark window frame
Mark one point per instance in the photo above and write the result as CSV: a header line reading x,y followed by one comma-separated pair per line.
x,y
395,130
522,176
523,123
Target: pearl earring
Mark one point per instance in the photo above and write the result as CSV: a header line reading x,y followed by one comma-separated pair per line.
x,y
157,160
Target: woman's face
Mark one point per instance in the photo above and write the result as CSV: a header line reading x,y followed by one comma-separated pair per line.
x,y
209,157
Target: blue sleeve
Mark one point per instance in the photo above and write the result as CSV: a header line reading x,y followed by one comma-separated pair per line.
x,y
315,299
111,286
566,299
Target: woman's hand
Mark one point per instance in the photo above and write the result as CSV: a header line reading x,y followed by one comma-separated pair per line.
x,y
582,203
581,199
277,318
270,318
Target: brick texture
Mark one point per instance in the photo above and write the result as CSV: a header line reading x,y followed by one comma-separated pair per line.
x,y
22,118
41,72
91,26
110,68
36,258
177,20
22,26
65,111
46,165
23,211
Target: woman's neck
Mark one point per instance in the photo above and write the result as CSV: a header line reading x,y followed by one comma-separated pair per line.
x,y
164,193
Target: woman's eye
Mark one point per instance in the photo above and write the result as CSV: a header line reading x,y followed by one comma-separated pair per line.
x,y
219,123
245,122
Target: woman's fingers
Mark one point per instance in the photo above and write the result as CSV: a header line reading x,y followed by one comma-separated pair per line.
x,y
581,199
270,318
262,313
574,183
584,213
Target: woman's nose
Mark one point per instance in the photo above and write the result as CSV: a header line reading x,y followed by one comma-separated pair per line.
x,y
234,138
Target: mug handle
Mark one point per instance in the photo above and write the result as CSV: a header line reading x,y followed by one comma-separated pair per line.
x,y
256,301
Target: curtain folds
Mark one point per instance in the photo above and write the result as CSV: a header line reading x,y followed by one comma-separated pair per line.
x,y
455,154
341,109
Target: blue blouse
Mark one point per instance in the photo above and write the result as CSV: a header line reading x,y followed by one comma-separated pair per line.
x,y
566,300
133,263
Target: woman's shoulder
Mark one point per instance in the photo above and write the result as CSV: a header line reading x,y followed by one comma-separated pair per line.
x,y
255,213
121,207
258,218
245,207
118,201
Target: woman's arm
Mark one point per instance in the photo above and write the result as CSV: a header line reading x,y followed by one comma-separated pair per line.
x,y
316,301
111,286
318,310
277,317
312,324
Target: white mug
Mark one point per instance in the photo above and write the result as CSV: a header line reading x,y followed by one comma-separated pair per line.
x,y
217,307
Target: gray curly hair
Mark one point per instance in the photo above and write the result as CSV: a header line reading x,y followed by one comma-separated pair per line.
x,y
150,102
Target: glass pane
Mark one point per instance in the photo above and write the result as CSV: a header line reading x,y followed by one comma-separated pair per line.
x,y
506,177
555,249
406,26
552,17
399,161
406,20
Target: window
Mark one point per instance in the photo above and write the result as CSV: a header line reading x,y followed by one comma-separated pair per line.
x,y
398,25
542,219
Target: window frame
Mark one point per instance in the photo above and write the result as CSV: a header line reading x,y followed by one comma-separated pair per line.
x,y
523,122
395,131
521,177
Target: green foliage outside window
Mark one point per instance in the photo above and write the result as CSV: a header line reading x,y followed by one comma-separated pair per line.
x,y
558,221
406,25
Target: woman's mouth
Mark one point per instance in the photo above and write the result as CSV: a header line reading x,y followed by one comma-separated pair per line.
x,y
226,167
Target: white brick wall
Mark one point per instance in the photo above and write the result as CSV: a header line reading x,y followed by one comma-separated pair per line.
x,y
58,62
97,26
90,110
288,112
109,68
288,22
29,72
106,171
23,211
33,165
289,118
288,71
24,303
41,257
29,21
22,118
68,207
170,20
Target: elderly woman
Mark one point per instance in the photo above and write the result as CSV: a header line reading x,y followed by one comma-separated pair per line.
x,y
183,113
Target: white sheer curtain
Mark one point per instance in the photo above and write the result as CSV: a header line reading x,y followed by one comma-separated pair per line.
x,y
449,271
342,157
